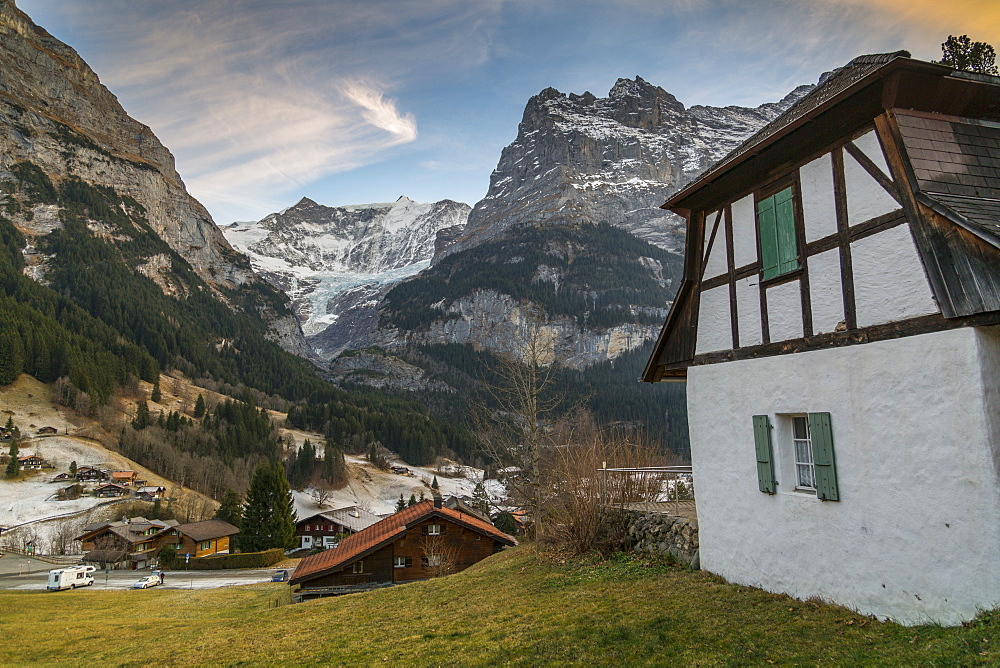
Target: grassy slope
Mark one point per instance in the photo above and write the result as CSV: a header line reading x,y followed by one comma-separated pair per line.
x,y
518,607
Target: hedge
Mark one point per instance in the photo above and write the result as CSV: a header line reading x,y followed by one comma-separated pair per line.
x,y
238,560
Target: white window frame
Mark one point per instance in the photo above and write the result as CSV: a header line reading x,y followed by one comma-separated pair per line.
x,y
786,455
399,562
802,455
433,529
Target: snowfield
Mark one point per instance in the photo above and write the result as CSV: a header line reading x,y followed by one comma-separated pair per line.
x,y
378,491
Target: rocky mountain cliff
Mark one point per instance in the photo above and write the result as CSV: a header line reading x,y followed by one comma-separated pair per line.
x,y
334,262
609,160
55,114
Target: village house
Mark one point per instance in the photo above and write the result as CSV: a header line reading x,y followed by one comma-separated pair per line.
x,y
126,478
110,489
90,474
201,539
48,431
837,328
323,530
138,538
420,542
32,463
150,492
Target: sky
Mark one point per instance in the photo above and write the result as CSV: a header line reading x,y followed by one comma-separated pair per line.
x,y
359,101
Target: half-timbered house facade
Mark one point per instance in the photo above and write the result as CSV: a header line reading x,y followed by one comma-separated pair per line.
x,y
837,327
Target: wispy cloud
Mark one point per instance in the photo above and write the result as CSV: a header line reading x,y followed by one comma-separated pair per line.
x,y
380,112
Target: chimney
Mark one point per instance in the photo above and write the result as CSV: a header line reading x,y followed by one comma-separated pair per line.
x,y
437,499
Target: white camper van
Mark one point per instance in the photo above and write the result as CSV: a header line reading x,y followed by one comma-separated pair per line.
x,y
71,577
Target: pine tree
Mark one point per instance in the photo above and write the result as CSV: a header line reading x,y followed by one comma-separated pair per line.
x,y
412,501
231,508
72,468
434,483
12,468
141,420
14,449
964,54
199,407
11,356
269,514
401,504
155,396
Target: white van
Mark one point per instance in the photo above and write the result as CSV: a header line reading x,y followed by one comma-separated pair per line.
x,y
71,577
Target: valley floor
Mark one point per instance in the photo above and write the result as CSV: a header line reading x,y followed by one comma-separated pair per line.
x,y
520,607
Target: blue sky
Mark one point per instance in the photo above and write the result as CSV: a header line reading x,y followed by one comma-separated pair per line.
x,y
355,101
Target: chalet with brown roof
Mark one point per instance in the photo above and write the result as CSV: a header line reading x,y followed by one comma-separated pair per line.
x,y
110,489
139,538
420,542
324,529
48,431
150,492
90,474
32,462
202,539
123,477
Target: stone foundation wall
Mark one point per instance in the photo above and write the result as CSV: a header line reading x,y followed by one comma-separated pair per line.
x,y
659,535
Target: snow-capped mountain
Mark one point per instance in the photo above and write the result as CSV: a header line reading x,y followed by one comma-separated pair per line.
x,y
316,253
613,160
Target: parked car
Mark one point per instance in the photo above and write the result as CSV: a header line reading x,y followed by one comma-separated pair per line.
x,y
147,581
280,576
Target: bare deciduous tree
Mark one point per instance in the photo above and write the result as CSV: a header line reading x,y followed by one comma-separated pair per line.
x,y
441,555
514,424
321,492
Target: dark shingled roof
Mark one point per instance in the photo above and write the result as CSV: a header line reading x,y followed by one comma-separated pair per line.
x,y
835,83
207,530
381,533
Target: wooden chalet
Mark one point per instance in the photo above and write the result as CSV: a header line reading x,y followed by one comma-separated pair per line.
x,y
32,462
150,492
126,478
417,543
202,539
140,539
48,431
111,489
323,530
838,328
90,474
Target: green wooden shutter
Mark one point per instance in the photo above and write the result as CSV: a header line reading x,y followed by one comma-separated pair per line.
x,y
765,454
823,459
788,248
767,222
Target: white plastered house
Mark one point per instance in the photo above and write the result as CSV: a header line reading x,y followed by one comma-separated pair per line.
x,y
838,328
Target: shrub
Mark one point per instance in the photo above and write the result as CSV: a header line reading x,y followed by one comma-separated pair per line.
x,y
238,560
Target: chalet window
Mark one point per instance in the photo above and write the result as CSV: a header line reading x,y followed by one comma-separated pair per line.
x,y
430,560
806,452
402,562
205,545
358,567
433,530
779,247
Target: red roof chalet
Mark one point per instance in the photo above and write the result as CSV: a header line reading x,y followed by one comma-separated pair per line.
x,y
401,548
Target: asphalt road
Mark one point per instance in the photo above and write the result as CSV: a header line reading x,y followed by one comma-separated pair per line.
x,y
125,579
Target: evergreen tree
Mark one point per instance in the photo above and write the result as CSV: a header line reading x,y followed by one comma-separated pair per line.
x,y
155,396
11,356
964,54
72,468
412,501
434,484
231,508
334,466
269,514
199,407
10,424
13,450
12,468
401,504
482,499
142,419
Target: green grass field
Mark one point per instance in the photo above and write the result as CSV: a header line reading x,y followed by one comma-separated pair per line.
x,y
520,607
